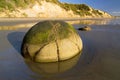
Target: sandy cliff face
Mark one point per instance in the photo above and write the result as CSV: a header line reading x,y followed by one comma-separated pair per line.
x,y
48,9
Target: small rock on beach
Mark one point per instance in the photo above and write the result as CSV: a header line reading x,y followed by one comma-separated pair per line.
x,y
86,28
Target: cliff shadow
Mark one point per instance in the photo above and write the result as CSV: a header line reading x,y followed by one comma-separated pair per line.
x,y
16,38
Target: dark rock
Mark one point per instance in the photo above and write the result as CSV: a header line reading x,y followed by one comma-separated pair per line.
x,y
86,28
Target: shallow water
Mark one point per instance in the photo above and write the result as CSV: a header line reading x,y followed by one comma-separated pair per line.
x,y
99,59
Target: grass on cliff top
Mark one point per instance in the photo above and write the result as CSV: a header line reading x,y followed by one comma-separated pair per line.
x,y
79,9
13,4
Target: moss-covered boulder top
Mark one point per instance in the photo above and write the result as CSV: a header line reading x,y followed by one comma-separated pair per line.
x,y
48,31
51,41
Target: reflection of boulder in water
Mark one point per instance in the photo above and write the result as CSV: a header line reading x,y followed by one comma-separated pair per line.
x,y
51,41
52,68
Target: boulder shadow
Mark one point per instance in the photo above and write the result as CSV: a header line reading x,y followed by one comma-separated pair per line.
x,y
15,38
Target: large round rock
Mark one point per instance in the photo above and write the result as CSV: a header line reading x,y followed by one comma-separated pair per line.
x,y
51,41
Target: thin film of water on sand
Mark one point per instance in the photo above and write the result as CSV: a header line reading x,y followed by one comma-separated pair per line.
x,y
99,60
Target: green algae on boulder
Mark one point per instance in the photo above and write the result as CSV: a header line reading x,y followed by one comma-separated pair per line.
x,y
51,41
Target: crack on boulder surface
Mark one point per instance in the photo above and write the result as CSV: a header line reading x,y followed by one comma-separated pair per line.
x,y
54,31
37,52
58,53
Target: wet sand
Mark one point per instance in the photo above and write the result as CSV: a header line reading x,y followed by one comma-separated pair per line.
x,y
102,52
100,58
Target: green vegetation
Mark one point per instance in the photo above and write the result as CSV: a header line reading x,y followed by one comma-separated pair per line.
x,y
97,12
24,14
38,34
12,4
53,1
76,8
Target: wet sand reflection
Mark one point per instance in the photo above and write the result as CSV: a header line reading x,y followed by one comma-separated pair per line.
x,y
47,69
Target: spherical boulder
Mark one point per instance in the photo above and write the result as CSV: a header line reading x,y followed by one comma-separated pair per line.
x,y
51,41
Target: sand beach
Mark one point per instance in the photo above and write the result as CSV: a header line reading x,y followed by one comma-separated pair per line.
x,y
99,59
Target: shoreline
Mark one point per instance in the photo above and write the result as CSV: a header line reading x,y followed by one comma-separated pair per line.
x,y
66,19
18,23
